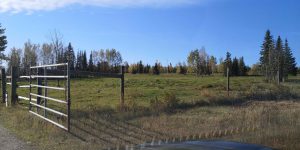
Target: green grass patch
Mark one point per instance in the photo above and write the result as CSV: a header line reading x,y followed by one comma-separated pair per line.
x,y
166,106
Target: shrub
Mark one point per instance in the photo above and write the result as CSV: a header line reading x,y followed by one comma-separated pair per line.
x,y
156,104
168,103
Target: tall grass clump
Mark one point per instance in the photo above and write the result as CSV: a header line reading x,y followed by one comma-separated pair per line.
x,y
168,103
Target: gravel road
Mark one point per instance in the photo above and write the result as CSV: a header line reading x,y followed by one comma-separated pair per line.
x,y
10,142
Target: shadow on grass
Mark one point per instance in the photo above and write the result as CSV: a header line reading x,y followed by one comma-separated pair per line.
x,y
85,134
111,127
297,81
104,126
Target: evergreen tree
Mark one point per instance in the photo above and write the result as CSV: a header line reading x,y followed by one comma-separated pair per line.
x,y
235,67
77,67
181,68
3,42
61,57
91,62
156,68
140,67
147,68
227,64
99,66
70,56
278,64
266,53
290,61
242,67
84,61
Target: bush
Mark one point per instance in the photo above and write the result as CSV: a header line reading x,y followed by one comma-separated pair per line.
x,y
168,103
156,105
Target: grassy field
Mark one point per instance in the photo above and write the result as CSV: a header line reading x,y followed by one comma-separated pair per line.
x,y
166,107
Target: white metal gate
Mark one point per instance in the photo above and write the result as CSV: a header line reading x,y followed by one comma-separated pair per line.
x,y
39,73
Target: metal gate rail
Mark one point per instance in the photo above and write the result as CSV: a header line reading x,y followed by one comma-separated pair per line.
x,y
36,102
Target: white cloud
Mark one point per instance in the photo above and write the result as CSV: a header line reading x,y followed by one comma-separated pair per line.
x,y
16,6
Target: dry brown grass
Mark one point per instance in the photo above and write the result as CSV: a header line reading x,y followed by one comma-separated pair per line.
x,y
274,124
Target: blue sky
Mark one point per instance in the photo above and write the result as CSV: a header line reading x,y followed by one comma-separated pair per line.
x,y
150,30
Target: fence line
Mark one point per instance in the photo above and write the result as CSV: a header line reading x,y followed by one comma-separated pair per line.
x,y
35,99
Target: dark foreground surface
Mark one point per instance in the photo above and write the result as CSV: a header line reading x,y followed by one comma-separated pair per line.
x,y
207,145
9,142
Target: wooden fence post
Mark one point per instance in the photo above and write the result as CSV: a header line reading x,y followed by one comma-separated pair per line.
x,y
278,77
228,82
122,87
13,94
3,79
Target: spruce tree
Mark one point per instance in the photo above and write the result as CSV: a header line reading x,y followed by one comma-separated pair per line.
x,y
78,62
290,61
147,68
227,64
156,69
70,56
242,67
84,61
140,67
235,67
278,64
3,42
266,53
91,64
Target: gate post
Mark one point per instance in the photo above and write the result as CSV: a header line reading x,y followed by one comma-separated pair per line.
x,y
3,79
45,91
228,81
13,97
68,95
39,82
122,87
39,90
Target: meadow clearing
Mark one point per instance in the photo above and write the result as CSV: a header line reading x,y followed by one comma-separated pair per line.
x,y
165,108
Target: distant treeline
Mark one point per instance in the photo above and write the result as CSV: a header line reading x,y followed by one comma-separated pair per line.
x,y
108,61
275,58
198,62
